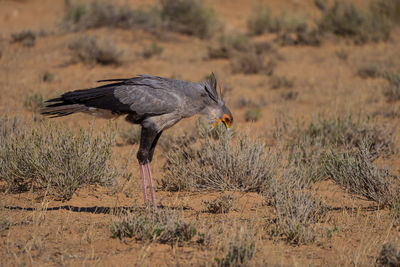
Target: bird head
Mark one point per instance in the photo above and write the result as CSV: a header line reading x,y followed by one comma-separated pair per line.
x,y
217,111
224,116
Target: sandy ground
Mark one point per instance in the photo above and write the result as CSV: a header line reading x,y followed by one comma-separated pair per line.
x,y
76,232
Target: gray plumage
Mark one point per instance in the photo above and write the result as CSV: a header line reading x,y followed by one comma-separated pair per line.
x,y
155,103
147,100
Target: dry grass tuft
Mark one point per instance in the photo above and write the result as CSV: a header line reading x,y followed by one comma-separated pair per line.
x,y
92,50
297,211
239,250
353,170
252,114
56,160
164,227
226,163
222,204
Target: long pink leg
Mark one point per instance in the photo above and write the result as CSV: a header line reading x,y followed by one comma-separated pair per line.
x,y
153,195
144,184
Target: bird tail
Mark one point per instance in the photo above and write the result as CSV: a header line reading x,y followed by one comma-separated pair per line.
x,y
99,101
61,108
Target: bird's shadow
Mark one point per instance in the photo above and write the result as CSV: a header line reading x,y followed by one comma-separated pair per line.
x,y
96,209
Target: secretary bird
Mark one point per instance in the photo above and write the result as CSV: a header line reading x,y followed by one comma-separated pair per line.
x,y
155,103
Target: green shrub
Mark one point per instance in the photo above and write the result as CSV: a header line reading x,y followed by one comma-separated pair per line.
x,y
53,159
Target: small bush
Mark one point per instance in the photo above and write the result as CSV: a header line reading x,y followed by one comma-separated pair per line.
x,y
34,102
261,21
47,77
229,44
389,255
161,226
222,204
252,63
153,50
53,159
239,250
392,91
92,50
188,17
226,163
82,16
277,82
346,20
342,54
353,170
290,95
387,8
26,38
369,71
311,38
297,211
341,130
253,114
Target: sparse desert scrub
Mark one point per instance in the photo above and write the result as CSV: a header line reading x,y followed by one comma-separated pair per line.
x,y
92,50
354,171
57,161
344,19
262,21
166,227
184,16
231,163
336,131
188,17
297,211
82,15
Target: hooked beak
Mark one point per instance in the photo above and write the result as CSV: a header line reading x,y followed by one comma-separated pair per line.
x,y
227,125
